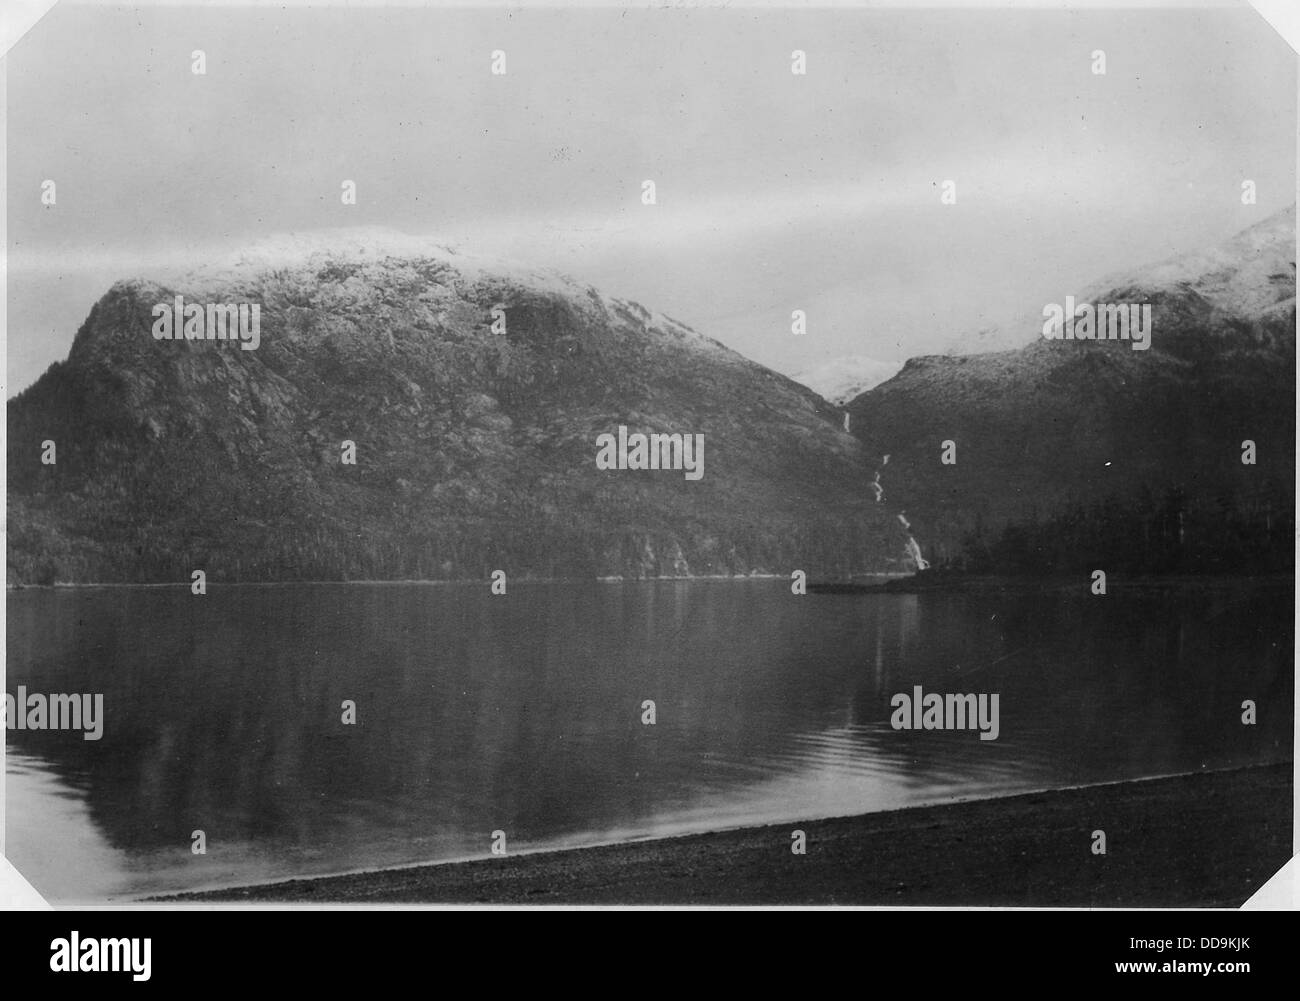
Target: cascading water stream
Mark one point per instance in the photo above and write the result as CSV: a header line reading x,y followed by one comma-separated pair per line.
x,y
913,548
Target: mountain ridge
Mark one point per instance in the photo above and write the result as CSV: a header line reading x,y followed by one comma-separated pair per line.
x,y
1075,426
475,449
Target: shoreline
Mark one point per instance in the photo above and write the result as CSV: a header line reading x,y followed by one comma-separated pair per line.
x,y
456,582
885,582
960,584
1206,839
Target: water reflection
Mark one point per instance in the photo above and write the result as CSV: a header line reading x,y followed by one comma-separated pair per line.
x,y
523,713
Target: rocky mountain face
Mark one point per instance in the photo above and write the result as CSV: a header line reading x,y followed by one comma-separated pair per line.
x,y
1073,451
475,447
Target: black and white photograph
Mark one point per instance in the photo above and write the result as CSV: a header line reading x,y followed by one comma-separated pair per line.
x,y
568,455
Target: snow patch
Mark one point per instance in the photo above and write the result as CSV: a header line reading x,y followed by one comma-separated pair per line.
x,y
842,379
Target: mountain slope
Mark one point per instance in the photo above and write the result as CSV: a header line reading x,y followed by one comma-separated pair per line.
x,y
475,450
1122,445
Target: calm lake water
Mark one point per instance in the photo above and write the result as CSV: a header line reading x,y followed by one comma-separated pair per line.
x,y
523,713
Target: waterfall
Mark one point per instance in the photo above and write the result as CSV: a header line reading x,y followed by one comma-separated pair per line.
x,y
914,551
913,548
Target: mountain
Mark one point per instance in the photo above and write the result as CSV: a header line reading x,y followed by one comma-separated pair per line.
x,y
843,379
475,449
1073,451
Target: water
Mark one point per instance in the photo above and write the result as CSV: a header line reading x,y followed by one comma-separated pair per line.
x,y
523,713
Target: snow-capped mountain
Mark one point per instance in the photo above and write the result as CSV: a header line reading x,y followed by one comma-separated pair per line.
x,y
842,379
473,393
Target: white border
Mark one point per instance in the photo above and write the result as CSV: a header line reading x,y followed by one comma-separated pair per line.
x,y
17,17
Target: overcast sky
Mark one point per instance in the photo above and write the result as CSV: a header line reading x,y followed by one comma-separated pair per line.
x,y
775,192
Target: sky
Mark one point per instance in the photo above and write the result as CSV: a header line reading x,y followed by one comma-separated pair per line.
x,y
775,191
